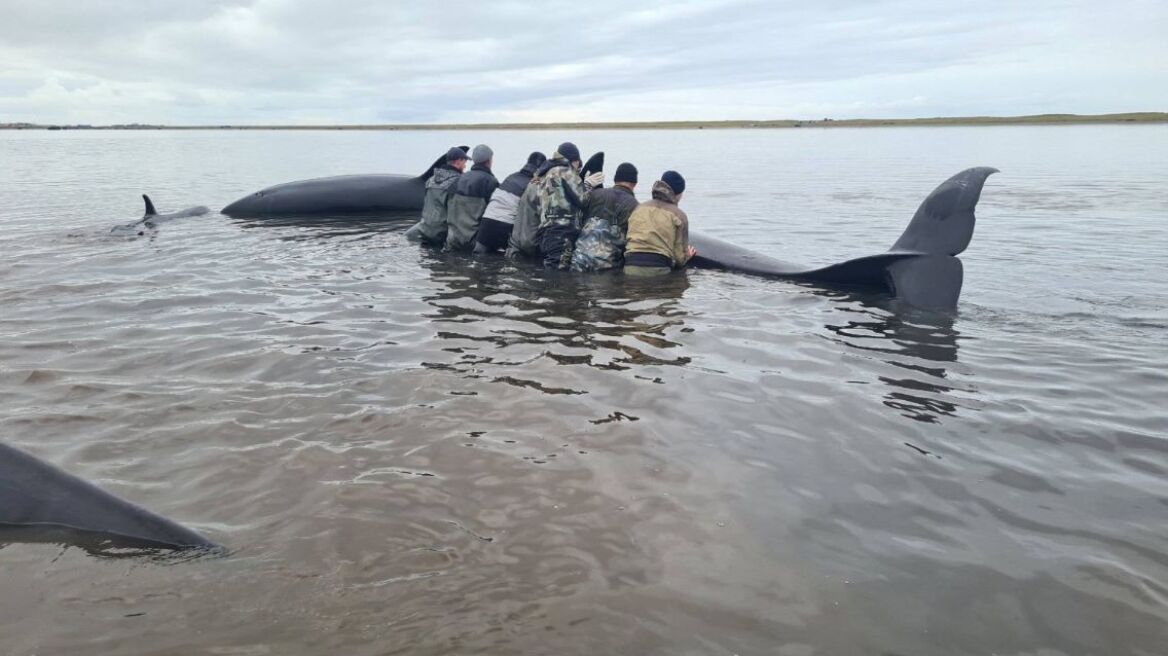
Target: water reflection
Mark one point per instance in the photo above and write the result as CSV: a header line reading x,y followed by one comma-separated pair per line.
x,y
604,321
912,340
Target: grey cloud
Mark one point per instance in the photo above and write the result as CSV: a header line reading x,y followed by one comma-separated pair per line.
x,y
271,61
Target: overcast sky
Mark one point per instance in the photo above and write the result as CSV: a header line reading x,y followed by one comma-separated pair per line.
x,y
364,61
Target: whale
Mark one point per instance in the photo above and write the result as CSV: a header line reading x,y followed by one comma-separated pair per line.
x,y
921,268
342,194
40,502
151,218
350,194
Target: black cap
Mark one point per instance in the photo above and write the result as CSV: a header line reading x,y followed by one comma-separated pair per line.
x,y
455,154
537,158
626,173
674,180
569,151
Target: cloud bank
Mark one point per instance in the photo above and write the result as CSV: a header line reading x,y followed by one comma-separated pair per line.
x,y
355,62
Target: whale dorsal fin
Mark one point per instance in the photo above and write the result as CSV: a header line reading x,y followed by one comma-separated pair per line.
x,y
150,211
439,162
943,224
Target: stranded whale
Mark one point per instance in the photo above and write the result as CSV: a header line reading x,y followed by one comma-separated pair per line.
x,y
921,268
349,194
342,194
37,498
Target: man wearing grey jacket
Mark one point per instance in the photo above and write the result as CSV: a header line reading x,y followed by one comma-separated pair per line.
x,y
439,187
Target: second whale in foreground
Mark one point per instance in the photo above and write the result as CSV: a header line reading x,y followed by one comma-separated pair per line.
x,y
39,501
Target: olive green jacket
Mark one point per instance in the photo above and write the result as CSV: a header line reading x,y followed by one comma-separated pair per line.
x,y
659,226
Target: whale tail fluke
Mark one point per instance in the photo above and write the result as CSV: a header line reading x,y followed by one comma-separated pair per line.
x,y
593,165
921,268
943,224
150,211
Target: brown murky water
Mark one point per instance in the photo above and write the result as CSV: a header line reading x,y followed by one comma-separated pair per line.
x,y
420,454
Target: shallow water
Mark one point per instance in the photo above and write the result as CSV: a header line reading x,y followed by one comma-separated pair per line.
x,y
414,453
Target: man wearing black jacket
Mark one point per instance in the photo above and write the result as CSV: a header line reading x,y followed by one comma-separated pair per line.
x,y
601,243
499,217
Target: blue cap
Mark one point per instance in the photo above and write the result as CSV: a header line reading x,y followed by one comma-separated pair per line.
x,y
455,154
674,180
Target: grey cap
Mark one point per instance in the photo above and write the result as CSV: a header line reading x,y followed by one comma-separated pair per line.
x,y
482,154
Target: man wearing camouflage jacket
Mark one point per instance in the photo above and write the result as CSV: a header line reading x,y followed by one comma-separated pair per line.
x,y
563,197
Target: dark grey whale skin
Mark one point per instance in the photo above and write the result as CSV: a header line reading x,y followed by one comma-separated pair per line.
x,y
349,194
921,268
342,194
36,495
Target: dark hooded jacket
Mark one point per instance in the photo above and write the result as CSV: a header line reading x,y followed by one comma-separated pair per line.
x,y
471,194
613,204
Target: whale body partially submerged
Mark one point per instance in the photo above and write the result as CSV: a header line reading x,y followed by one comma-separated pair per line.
x,y
921,268
37,498
151,218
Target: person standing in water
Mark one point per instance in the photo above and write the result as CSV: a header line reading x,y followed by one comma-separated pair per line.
x,y
469,200
658,240
602,239
439,187
563,196
499,218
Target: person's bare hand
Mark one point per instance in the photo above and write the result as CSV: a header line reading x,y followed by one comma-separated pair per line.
x,y
691,252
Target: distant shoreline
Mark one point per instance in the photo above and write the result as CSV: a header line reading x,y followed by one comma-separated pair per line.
x,y
1037,119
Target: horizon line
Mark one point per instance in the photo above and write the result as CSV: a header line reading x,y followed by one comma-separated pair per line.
x,y
1050,118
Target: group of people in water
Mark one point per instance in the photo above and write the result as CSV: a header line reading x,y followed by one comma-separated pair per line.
x,y
551,210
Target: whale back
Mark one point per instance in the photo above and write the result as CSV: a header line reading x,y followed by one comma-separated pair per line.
x,y
342,194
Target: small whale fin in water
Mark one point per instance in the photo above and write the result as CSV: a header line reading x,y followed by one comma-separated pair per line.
x,y
151,218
